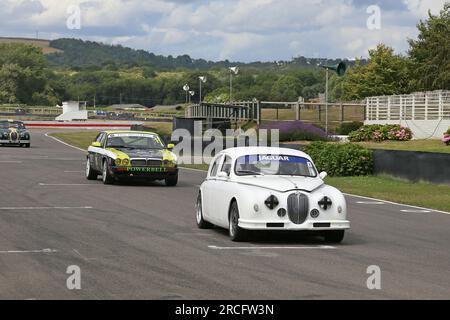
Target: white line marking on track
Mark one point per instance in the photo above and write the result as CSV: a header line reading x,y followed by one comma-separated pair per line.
x,y
397,204
415,211
11,161
43,208
68,171
65,184
273,247
60,141
30,251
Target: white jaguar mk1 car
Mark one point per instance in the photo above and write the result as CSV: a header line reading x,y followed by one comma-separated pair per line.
x,y
262,188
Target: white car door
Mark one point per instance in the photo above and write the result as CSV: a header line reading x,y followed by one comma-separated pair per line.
x,y
223,188
209,196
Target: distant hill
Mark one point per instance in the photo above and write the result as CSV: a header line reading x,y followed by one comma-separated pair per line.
x,y
76,53
43,44
80,54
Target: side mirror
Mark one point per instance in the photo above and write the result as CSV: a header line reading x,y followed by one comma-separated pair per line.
x,y
96,144
170,146
222,175
323,175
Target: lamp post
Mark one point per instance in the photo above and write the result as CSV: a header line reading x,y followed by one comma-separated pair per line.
x,y
186,89
233,70
340,69
191,94
202,79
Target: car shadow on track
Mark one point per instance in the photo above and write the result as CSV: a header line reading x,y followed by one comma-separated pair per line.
x,y
287,238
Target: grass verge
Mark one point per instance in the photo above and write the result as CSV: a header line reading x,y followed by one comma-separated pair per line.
x,y
432,196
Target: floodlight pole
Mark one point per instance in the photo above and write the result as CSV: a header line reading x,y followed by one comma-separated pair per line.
x,y
231,85
326,101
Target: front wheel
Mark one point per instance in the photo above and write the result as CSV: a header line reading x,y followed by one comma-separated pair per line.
x,y
106,175
172,181
90,173
237,234
334,236
201,223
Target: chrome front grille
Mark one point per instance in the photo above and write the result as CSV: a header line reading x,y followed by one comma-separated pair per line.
x,y
298,207
154,163
13,136
139,163
146,162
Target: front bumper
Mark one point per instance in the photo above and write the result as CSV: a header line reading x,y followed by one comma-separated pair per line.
x,y
152,173
15,142
309,225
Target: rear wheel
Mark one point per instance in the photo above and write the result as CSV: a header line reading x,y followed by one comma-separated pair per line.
x,y
201,223
106,175
90,173
27,145
172,181
237,234
334,236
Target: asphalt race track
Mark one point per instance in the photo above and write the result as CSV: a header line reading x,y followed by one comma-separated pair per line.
x,y
141,242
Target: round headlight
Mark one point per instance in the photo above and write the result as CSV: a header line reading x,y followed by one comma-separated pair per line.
x,y
272,202
118,162
125,162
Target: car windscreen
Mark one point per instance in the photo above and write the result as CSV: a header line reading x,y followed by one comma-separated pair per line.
x,y
267,164
134,141
7,125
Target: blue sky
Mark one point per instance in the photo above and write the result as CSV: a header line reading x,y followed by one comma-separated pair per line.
x,y
238,30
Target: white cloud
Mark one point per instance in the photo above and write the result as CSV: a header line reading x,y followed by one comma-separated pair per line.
x,y
225,29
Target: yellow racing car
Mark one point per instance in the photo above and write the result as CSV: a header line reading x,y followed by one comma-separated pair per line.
x,y
119,155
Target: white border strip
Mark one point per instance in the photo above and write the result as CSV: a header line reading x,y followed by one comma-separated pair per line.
x,y
30,251
64,143
347,194
43,208
397,204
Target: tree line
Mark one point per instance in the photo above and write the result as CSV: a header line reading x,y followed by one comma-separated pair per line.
x,y
106,75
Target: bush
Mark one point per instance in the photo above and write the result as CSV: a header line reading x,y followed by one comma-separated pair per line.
x,y
347,127
446,138
296,131
378,133
341,160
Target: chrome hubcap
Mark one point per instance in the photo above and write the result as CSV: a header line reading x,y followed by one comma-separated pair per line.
x,y
87,167
199,211
104,172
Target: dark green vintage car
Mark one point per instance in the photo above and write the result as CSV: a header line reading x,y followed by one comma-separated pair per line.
x,y
14,133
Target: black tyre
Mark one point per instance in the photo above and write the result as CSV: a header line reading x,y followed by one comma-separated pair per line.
x,y
90,173
201,223
106,175
172,181
334,236
237,234
27,145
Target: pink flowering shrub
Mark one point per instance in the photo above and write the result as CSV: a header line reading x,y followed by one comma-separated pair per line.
x,y
446,138
378,133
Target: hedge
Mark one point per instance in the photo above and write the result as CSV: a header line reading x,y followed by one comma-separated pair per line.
x,y
340,160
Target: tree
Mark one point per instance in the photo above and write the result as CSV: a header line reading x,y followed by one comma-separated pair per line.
x,y
287,88
386,73
430,53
